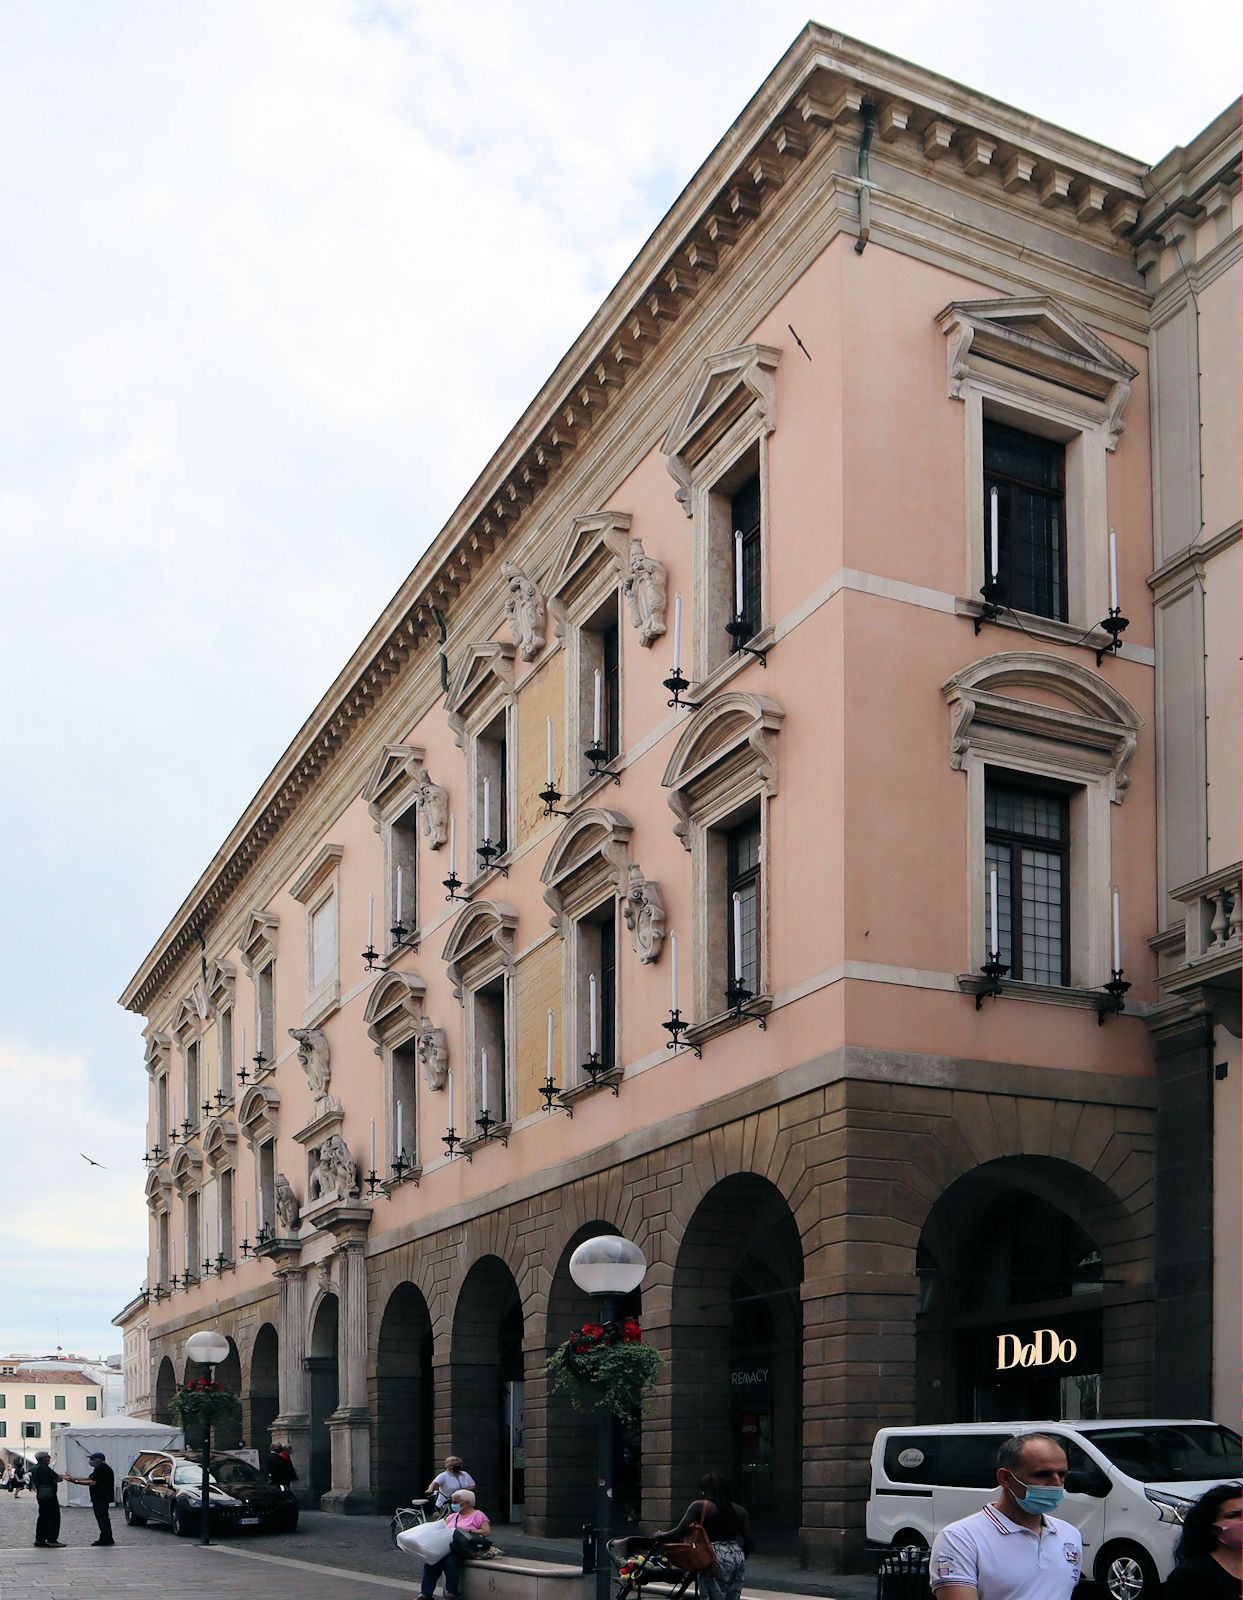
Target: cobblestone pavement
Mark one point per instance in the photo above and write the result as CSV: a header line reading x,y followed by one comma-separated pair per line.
x,y
328,1558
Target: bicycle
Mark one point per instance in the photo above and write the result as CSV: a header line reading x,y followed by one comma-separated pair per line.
x,y
653,1567
411,1516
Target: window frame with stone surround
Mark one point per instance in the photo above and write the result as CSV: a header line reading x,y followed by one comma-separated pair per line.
x,y
157,1063
479,958
1068,386
480,700
317,890
221,994
395,1021
392,794
259,950
1083,747
220,1154
717,441
189,1027
723,769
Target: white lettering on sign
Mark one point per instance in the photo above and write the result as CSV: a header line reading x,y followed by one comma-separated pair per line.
x,y
759,1375
1045,1348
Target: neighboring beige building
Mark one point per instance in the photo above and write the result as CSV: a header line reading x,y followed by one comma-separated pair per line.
x,y
134,1323
35,1403
884,448
1188,242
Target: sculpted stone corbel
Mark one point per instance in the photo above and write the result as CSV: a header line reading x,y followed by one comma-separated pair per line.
x,y
286,1206
315,1058
432,1050
644,912
526,609
433,812
960,337
645,584
334,1175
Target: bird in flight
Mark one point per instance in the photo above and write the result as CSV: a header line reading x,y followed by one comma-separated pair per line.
x,y
91,1163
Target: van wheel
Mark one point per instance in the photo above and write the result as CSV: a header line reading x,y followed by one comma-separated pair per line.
x,y
907,1538
1127,1573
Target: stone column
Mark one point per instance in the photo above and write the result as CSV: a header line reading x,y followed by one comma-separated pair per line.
x,y
292,1422
350,1423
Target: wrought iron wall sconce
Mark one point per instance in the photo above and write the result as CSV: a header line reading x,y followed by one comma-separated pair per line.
x,y
552,1101
737,999
373,1182
221,1100
401,1165
247,1250
154,1156
676,1027
222,1261
994,969
452,884
551,796
677,686
596,1069
490,853
994,604
487,1129
1115,625
599,759
1112,1003
403,939
453,1143
740,630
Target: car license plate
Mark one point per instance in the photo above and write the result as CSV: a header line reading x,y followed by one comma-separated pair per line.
x,y
249,1522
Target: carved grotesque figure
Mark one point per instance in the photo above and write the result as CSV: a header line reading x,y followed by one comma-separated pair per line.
x,y
334,1175
644,911
315,1058
645,585
525,608
433,1054
433,812
286,1207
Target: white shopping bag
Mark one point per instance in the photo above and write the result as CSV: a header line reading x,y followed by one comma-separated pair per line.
x,y
430,1541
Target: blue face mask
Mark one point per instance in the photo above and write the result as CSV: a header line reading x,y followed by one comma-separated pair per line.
x,y
1038,1498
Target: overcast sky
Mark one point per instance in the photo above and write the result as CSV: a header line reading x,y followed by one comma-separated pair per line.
x,y
277,276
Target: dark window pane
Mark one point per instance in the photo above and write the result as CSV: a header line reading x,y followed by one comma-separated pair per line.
x,y
744,511
610,692
743,881
608,990
1027,473
1026,841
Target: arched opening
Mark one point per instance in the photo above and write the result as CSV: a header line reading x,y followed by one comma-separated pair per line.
x,y
165,1389
263,1391
486,1386
1011,1249
571,1442
737,1356
322,1364
228,1373
401,1400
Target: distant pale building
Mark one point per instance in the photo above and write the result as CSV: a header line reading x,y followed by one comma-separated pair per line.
x,y
133,1321
35,1402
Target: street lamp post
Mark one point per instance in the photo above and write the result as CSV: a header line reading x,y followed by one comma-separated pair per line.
x,y
607,1268
206,1349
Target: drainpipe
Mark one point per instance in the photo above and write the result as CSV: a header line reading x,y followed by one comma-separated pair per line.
x,y
444,660
865,182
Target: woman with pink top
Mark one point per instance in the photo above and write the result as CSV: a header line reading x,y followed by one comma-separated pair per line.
x,y
462,1518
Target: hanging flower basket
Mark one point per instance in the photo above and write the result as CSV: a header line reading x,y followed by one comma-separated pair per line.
x,y
606,1364
204,1402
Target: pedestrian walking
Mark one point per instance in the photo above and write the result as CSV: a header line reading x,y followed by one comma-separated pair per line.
x,y
1013,1549
102,1484
280,1467
445,1484
1209,1554
45,1484
728,1528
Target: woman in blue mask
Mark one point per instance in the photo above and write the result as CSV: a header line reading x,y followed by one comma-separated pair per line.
x,y
1210,1552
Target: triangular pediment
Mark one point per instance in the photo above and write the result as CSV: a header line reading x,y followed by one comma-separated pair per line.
x,y
258,941
1035,334
1043,320
725,384
604,535
394,766
481,661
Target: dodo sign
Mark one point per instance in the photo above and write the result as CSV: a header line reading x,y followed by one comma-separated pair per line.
x,y
1045,1349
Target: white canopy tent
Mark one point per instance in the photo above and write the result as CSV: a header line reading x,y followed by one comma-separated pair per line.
x,y
121,1439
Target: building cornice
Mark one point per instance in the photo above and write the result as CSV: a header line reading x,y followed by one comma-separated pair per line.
x,y
815,92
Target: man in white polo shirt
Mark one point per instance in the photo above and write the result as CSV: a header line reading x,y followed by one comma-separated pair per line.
x,y
1013,1549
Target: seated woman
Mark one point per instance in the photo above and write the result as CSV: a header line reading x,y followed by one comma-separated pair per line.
x,y
728,1528
461,1516
1209,1555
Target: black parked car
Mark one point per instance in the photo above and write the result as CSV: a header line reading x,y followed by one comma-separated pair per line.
x,y
166,1486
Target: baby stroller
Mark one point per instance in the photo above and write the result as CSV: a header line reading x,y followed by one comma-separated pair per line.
x,y
640,1563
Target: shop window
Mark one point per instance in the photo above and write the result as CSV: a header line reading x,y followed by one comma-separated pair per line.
x,y
1026,474
1027,846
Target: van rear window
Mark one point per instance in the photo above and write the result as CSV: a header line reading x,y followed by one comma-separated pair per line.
x,y
912,1458
959,1460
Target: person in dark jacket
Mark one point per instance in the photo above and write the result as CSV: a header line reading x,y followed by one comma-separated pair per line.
x,y
1209,1554
103,1486
280,1467
45,1484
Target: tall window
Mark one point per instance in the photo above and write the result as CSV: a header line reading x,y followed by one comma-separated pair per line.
x,y
58,1402
32,1430
226,1052
597,722
1027,842
31,1402
323,943
92,1402
265,1014
491,1088
193,1053
1028,474
597,966
742,867
405,1077
611,690
492,785
744,517
194,1241
225,1184
161,1111
161,1248
403,864
266,1176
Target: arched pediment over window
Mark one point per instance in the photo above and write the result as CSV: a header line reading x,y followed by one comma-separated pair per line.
x,y
1034,711
258,1115
482,935
395,1002
731,742
157,1189
220,1142
592,832
186,1168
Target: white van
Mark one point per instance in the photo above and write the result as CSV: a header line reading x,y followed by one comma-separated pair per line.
x,y
1129,1486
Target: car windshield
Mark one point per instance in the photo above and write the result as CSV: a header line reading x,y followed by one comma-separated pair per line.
x,y
190,1475
1184,1454
234,1473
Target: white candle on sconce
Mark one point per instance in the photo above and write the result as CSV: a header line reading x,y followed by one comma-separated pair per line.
x,y
994,533
738,599
994,946
598,716
174,1258
550,1037
677,630
449,1092
1117,910
487,808
595,1015
549,752
400,898
452,845
673,949
207,1241
244,1066
738,940
1113,569
373,1144
401,1143
483,1076
371,922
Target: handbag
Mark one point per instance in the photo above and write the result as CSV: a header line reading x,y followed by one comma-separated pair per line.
x,y
694,1554
471,1545
430,1540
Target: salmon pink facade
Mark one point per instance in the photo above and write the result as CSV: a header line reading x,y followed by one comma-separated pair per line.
x,y
727,837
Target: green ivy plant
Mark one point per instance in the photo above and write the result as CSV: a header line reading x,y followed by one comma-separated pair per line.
x,y
606,1364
